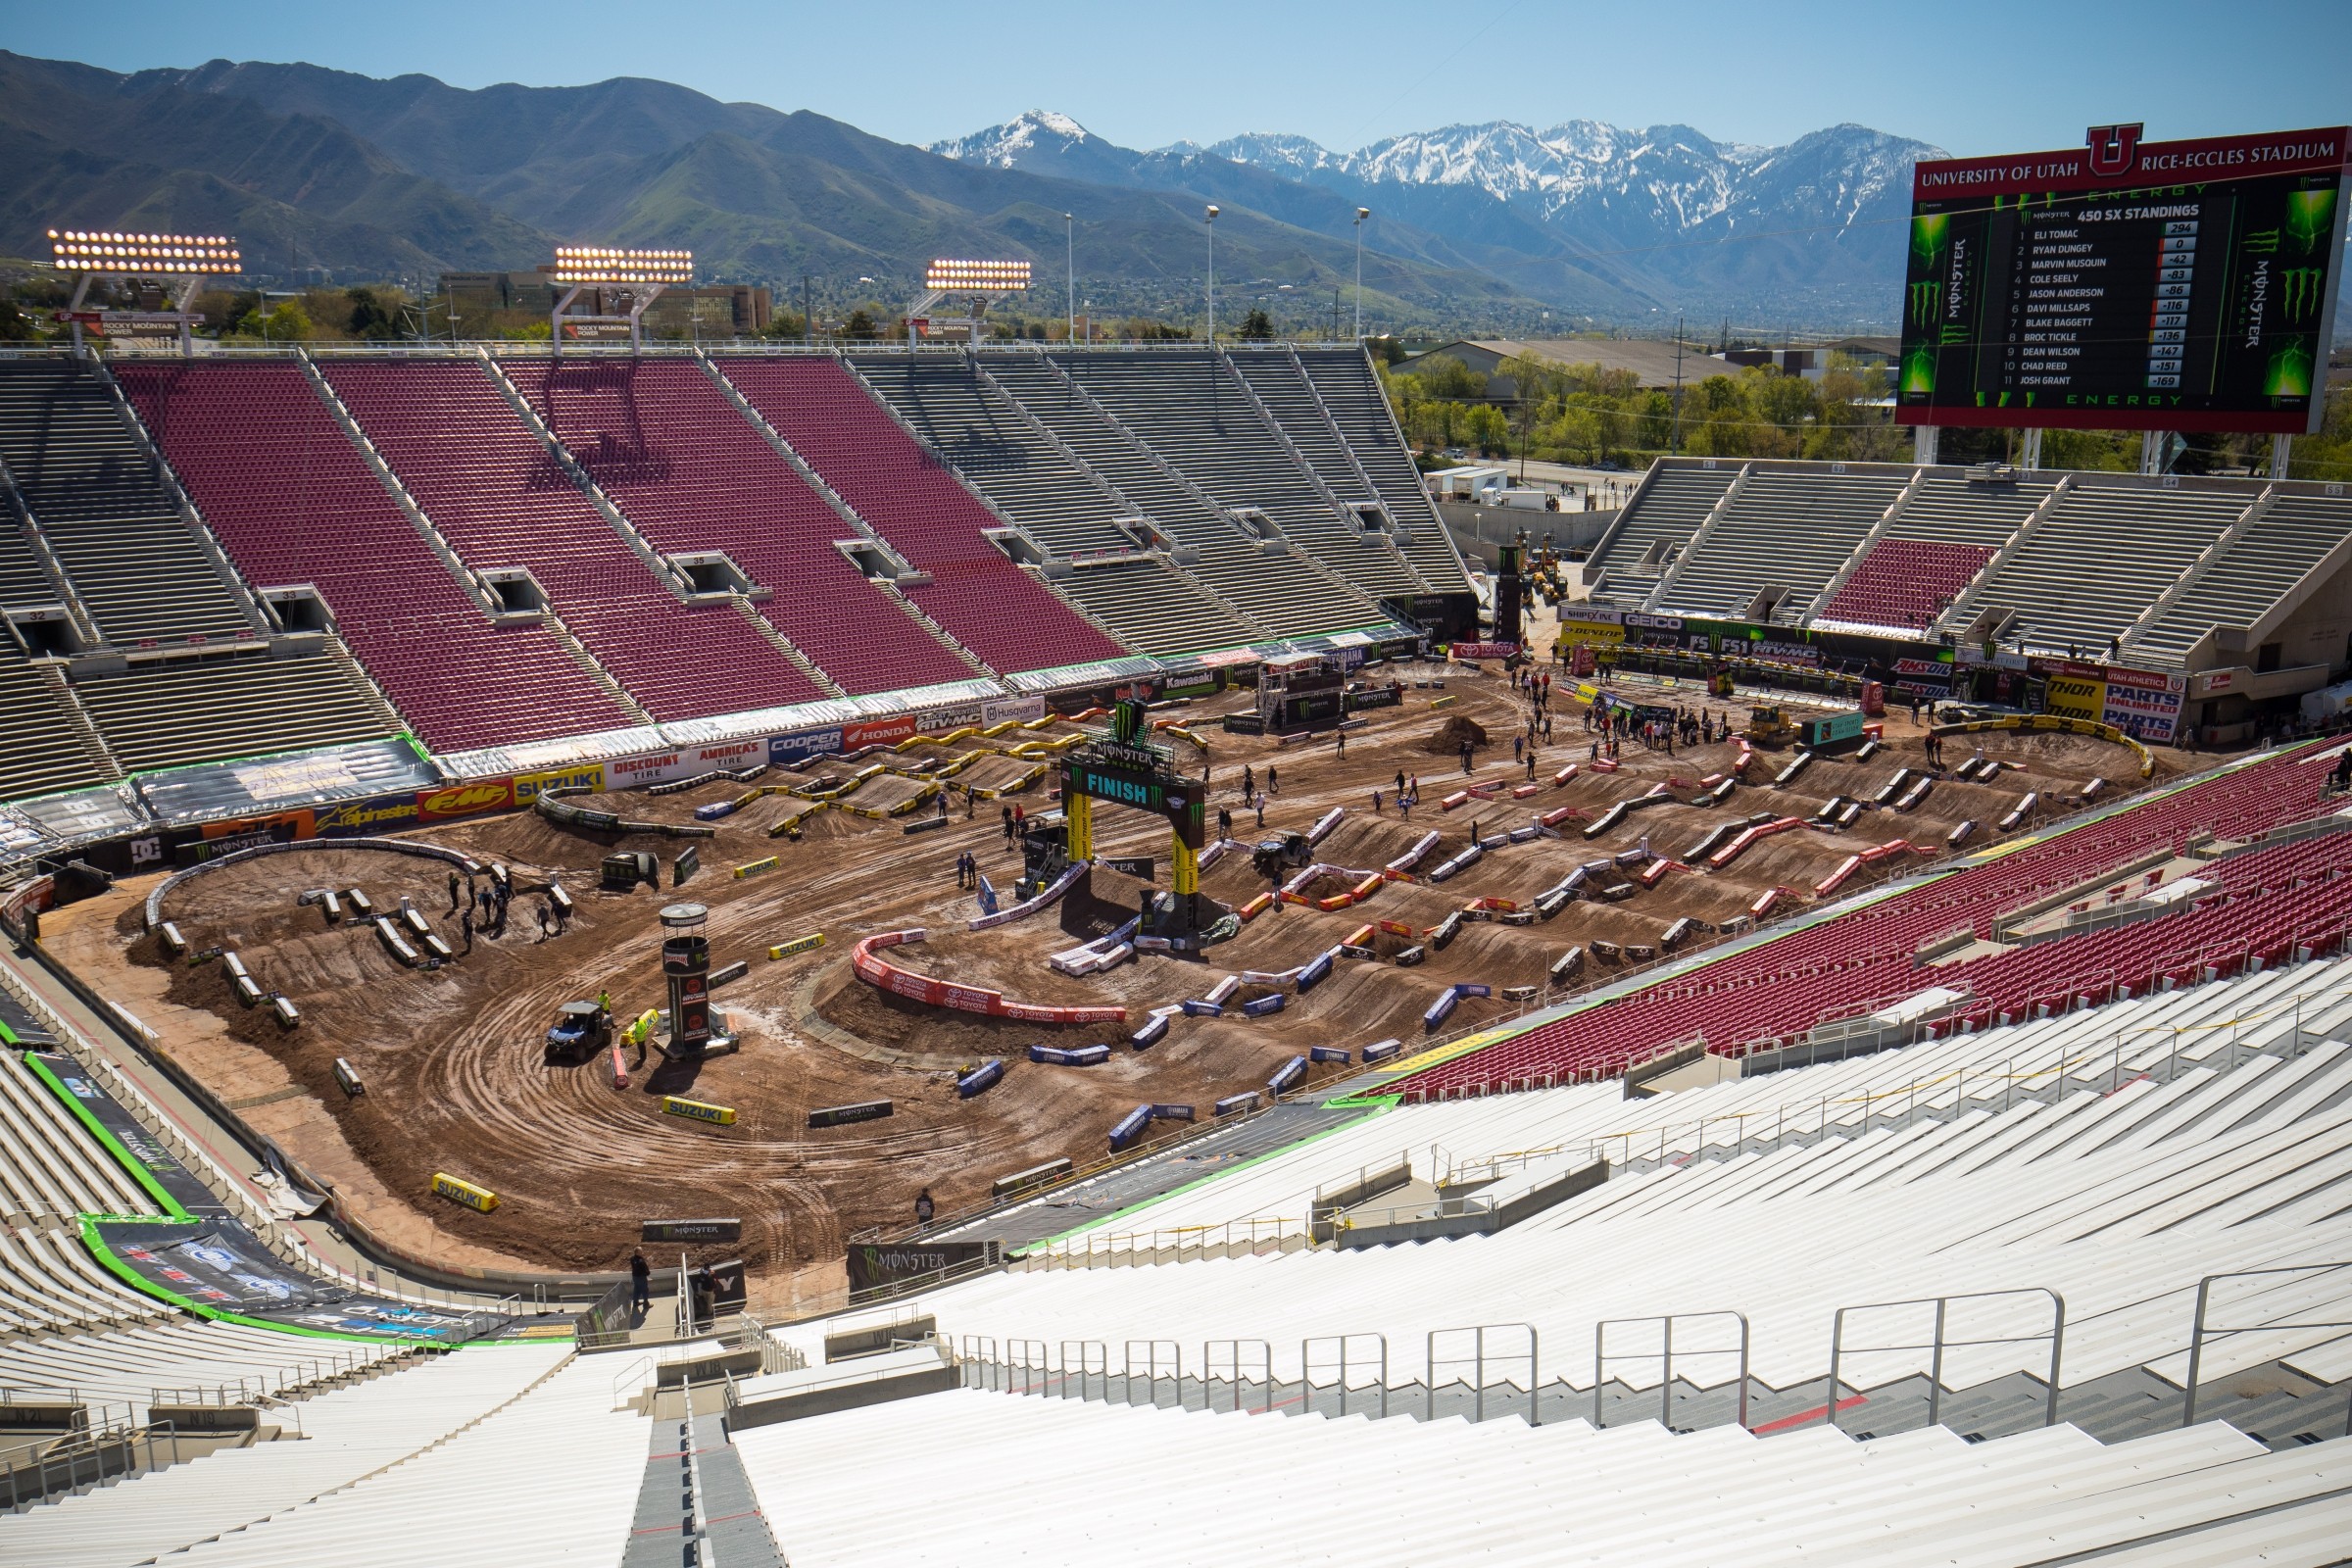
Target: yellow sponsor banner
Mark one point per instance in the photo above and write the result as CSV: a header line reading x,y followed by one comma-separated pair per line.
x,y
588,776
2070,697
754,867
1000,727
1442,702
1599,633
698,1110
481,1199
808,943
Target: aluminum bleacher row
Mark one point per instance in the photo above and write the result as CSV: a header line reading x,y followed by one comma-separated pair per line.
x,y
1357,405
1561,1493
1788,532
2042,552
167,658
2115,1156
2035,1157
1836,967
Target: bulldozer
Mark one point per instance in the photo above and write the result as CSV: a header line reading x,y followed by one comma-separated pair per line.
x,y
1766,723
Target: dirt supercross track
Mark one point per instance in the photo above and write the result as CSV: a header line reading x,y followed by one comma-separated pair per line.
x,y
455,1078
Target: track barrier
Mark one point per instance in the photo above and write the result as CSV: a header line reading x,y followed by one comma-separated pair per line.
x,y
698,1110
479,1199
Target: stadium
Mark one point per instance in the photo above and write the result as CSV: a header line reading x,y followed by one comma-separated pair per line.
x,y
635,952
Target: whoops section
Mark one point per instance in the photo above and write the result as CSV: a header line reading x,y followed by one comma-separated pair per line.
x,y
868,964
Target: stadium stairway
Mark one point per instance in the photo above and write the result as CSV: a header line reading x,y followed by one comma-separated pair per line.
x,y
1357,407
1670,505
1561,1493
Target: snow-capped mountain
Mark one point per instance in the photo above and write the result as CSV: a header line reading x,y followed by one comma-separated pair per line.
x,y
1017,142
1583,214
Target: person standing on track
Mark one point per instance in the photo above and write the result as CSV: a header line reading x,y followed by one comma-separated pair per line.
x,y
924,1208
453,892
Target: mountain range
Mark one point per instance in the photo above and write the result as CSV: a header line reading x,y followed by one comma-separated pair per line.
x,y
1497,227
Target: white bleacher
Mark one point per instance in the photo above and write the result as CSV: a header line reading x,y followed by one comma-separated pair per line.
x,y
1786,531
2069,582
346,1435
2294,534
1664,515
551,1478
1452,1139
2120,1193
1189,1487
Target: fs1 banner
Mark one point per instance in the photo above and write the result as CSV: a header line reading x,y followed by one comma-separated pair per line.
x,y
2127,285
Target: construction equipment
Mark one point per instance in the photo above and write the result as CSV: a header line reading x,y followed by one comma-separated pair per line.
x,y
1765,724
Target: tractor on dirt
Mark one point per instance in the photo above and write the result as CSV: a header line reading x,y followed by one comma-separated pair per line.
x,y
1766,724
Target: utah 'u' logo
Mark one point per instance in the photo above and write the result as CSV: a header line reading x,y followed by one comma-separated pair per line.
x,y
2114,149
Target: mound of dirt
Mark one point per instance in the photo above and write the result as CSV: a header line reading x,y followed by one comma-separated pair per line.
x,y
1448,738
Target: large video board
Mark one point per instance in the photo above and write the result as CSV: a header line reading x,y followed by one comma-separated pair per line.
x,y
2183,285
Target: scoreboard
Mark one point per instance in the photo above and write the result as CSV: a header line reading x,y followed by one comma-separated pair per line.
x,y
2185,285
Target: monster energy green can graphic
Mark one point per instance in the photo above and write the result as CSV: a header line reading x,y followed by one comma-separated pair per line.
x,y
2290,371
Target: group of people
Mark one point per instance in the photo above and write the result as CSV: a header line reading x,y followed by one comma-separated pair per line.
x,y
1408,795
486,907
967,871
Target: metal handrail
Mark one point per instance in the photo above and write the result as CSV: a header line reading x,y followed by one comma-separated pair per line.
x,y
2200,1331
1307,1376
1233,1360
1478,1359
1665,1357
1939,1343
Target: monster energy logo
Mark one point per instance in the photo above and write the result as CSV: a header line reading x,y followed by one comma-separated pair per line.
x,y
2260,241
2310,218
2289,373
1923,302
1931,233
1955,334
2299,291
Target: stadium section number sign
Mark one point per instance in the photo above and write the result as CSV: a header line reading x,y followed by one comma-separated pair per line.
x,y
2183,285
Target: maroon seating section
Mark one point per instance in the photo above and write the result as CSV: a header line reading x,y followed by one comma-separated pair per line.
x,y
902,491
692,473
1908,582
1844,966
491,489
291,500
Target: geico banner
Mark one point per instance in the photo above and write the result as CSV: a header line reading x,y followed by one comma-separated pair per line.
x,y
801,745
382,814
470,799
588,777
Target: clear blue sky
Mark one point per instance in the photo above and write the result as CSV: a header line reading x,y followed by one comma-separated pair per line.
x,y
1977,76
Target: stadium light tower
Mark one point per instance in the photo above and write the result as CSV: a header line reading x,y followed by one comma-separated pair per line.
x,y
1069,240
1361,212
183,260
1212,274
640,275
982,281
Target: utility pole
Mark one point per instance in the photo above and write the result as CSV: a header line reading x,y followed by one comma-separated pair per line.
x,y
1069,240
1361,212
807,314
1675,445
1213,276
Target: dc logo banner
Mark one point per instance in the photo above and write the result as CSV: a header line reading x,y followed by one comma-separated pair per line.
x,y
2114,149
